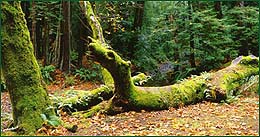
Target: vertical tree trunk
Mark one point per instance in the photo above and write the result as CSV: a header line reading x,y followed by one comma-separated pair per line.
x,y
38,36
28,97
239,3
139,13
81,48
26,10
65,40
192,47
97,33
57,45
33,30
138,21
218,9
45,42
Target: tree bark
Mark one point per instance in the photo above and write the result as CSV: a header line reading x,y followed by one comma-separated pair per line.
x,y
38,36
21,71
45,45
127,96
65,40
192,46
33,36
218,9
139,13
97,32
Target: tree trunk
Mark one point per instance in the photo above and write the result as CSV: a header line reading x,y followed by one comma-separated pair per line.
x,y
38,43
127,96
139,13
65,40
192,46
97,32
21,71
33,36
218,9
77,100
45,45
138,21
57,45
26,10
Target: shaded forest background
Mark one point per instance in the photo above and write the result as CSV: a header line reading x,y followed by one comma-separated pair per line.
x,y
167,40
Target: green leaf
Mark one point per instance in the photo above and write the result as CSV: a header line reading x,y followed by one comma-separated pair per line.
x,y
43,116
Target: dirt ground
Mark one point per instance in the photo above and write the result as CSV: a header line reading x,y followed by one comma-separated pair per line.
x,y
206,118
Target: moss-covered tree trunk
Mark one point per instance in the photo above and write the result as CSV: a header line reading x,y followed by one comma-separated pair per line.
x,y
29,99
214,86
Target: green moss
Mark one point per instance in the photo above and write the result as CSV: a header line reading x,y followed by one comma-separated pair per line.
x,y
228,80
93,111
249,61
139,79
107,78
187,92
22,73
75,100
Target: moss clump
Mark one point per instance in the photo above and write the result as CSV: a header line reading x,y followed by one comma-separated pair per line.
x,y
140,79
154,98
249,60
107,78
77,100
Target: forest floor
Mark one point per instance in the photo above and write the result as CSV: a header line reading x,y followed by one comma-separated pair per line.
x,y
206,118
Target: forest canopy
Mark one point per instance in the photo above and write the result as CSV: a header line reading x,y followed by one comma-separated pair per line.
x,y
167,40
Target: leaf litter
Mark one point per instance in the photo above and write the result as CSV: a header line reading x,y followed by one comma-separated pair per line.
x,y
206,118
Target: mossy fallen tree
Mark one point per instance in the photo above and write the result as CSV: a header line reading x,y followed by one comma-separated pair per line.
x,y
78,100
214,86
130,97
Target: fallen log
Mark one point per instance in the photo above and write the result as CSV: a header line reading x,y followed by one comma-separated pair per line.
x,y
216,86
78,100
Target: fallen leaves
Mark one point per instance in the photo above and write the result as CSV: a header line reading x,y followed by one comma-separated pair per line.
x,y
206,118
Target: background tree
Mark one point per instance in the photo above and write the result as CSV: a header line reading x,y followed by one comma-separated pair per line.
x,y
172,44
65,39
127,96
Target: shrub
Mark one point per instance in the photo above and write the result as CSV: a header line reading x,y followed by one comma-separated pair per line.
x,y
46,73
87,74
69,81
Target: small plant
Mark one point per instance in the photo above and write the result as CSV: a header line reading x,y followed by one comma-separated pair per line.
x,y
83,73
74,56
89,74
69,80
46,73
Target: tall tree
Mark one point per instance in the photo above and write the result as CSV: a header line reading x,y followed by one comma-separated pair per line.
x,y
33,29
139,13
192,44
29,99
218,9
65,39
137,24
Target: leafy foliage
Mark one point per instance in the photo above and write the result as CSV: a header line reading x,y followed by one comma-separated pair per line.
x,y
69,80
166,35
46,73
51,120
87,74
